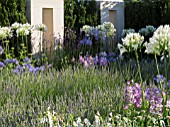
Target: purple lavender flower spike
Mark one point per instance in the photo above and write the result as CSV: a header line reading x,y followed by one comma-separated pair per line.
x,y
96,60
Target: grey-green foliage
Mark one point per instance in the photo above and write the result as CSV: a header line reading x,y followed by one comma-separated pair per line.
x,y
12,11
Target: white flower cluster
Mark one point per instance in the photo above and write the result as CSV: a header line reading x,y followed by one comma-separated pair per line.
x,y
127,31
131,42
54,121
5,32
148,31
107,29
22,29
41,27
159,44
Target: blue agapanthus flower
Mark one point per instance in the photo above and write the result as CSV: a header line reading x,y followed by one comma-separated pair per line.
x,y
2,64
159,79
19,69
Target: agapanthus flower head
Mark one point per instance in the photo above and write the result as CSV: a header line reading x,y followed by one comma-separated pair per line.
x,y
16,25
103,54
8,61
5,32
131,42
159,44
15,61
151,29
144,32
109,29
148,31
27,60
87,29
2,64
18,70
41,27
159,79
86,41
23,30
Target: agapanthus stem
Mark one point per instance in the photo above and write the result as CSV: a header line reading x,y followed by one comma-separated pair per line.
x,y
40,42
157,65
139,70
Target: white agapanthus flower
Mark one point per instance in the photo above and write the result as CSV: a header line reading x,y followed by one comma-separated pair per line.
x,y
16,25
160,42
109,29
23,29
131,42
88,29
41,27
87,122
5,32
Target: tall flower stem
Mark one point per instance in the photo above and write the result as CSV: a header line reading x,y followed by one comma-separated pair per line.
x,y
139,70
157,64
40,42
26,44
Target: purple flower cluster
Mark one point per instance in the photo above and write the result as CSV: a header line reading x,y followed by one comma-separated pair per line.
x,y
2,65
159,79
133,95
86,61
86,41
11,61
154,96
99,60
26,66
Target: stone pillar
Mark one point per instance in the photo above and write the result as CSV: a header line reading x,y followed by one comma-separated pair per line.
x,y
38,15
